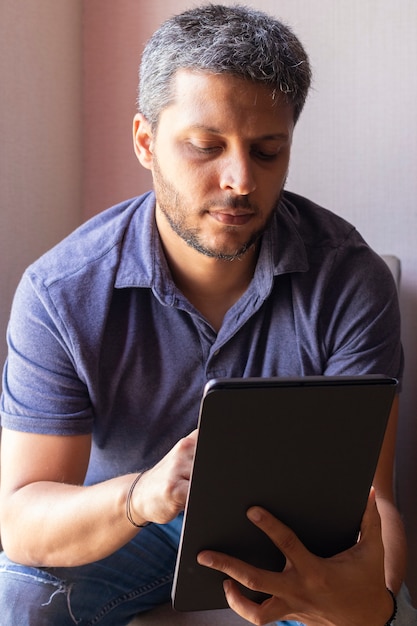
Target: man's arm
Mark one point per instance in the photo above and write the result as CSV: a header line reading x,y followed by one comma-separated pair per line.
x,y
49,519
393,534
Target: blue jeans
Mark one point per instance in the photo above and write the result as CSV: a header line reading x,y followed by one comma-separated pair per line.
x,y
109,592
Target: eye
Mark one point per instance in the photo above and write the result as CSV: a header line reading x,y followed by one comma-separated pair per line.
x,y
205,148
265,155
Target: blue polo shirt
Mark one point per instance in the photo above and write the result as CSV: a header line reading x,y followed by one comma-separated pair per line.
x,y
101,340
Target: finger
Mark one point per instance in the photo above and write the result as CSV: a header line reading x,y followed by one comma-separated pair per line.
x,y
283,537
255,613
187,444
239,603
193,435
247,575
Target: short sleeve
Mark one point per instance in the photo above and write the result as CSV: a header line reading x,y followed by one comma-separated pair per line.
x,y
42,392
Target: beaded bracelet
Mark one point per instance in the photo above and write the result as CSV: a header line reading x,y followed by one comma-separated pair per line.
x,y
128,503
394,612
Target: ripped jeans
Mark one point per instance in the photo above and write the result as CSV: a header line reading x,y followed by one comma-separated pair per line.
x,y
109,592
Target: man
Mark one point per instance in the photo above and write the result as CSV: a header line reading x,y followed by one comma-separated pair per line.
x,y
114,333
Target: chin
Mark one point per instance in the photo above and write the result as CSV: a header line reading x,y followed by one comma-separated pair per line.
x,y
224,253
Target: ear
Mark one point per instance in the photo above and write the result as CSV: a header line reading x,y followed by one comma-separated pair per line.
x,y
143,140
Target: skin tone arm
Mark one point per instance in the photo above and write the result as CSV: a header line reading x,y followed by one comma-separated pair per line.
x,y
50,519
393,534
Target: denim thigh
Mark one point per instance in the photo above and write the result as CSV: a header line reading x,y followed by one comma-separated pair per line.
x,y
108,592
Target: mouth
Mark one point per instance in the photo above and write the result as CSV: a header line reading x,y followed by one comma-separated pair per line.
x,y
232,217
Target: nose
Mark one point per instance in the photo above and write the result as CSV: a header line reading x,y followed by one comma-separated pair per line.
x,y
237,174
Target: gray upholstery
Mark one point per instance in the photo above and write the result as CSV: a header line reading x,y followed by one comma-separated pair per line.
x,y
394,264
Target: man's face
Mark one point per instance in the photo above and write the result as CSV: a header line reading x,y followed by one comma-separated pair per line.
x,y
220,158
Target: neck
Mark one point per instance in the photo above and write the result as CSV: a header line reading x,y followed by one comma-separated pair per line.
x,y
211,285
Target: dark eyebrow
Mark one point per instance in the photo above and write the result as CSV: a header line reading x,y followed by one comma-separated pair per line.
x,y
216,131
273,136
206,129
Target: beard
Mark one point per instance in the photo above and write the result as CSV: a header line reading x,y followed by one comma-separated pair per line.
x,y
177,212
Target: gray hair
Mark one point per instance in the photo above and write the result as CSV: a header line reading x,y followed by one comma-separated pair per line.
x,y
218,39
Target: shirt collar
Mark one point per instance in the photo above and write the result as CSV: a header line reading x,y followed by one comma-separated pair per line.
x,y
283,239
143,264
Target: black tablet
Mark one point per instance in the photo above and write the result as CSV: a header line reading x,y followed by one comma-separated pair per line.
x,y
304,448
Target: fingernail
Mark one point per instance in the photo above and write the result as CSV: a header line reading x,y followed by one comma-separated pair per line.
x,y
255,515
204,559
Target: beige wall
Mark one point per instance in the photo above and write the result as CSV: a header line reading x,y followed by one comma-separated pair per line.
x,y
114,36
40,134
355,148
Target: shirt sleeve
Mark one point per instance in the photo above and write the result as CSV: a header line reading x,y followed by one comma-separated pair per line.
x,y
360,319
42,391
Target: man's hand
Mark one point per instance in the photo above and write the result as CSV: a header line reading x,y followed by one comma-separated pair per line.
x,y
161,492
345,590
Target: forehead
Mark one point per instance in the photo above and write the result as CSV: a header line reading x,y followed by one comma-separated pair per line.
x,y
225,101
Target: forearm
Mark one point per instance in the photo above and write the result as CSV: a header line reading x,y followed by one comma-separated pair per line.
x,y
54,524
393,536
51,523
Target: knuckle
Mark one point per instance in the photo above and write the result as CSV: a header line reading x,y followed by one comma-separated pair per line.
x,y
288,542
252,581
